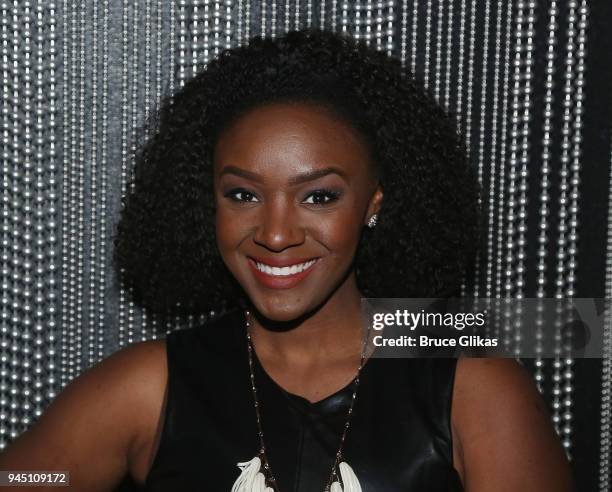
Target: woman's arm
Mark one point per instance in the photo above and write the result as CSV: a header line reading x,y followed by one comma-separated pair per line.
x,y
503,432
93,426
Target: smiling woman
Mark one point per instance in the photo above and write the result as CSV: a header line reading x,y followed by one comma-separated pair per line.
x,y
284,183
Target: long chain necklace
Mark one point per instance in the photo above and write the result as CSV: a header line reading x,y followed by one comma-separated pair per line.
x,y
253,473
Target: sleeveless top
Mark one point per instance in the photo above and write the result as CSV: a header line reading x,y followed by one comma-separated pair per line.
x,y
399,439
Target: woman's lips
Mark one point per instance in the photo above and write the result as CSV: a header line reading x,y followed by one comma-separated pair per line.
x,y
280,281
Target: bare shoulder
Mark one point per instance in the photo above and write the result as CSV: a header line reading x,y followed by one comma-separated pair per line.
x,y
92,426
137,377
484,375
139,374
506,440
151,375
142,364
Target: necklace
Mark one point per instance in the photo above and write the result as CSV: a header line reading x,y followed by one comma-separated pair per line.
x,y
253,473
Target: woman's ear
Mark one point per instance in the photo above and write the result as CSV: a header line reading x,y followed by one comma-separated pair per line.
x,y
375,202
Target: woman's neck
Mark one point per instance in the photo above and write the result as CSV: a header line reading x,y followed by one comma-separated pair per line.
x,y
332,332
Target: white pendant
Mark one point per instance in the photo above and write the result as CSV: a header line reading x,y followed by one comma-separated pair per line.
x,y
252,480
335,487
349,480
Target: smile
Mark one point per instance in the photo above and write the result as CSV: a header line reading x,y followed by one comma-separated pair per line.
x,y
284,271
283,277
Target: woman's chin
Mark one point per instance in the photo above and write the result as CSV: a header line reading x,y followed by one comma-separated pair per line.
x,y
281,308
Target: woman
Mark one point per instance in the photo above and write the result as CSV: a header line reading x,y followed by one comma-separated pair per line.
x,y
287,181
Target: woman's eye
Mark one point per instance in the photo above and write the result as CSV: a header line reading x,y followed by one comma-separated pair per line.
x,y
322,197
318,197
240,195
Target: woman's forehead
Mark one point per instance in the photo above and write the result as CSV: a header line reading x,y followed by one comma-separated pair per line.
x,y
288,134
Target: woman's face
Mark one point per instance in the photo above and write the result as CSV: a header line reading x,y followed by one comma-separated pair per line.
x,y
293,189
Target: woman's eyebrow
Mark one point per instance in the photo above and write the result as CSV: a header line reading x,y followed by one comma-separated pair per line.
x,y
300,178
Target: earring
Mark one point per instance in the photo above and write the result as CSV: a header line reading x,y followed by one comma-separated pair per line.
x,y
372,221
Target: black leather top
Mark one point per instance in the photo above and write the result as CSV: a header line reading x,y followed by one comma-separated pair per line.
x,y
399,438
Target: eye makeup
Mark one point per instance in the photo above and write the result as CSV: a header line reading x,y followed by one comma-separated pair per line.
x,y
320,197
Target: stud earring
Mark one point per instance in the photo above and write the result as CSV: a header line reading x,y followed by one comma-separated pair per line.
x,y
372,221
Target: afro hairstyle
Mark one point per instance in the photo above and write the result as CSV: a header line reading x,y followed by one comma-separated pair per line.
x,y
429,224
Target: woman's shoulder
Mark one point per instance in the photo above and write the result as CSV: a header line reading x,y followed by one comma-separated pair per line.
x,y
494,386
96,419
152,364
502,424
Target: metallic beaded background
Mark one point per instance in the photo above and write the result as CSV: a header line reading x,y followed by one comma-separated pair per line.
x,y
79,79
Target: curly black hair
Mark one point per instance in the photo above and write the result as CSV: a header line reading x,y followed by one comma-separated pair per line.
x,y
429,223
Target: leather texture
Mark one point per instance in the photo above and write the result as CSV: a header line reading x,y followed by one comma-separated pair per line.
x,y
399,439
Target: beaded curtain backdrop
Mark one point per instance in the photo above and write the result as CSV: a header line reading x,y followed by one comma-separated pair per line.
x,y
529,83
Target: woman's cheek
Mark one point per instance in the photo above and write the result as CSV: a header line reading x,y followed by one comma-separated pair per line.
x,y
340,234
226,234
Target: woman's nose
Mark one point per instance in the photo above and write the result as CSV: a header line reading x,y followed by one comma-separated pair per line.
x,y
280,227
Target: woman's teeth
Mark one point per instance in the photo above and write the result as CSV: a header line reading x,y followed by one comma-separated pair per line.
x,y
283,271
